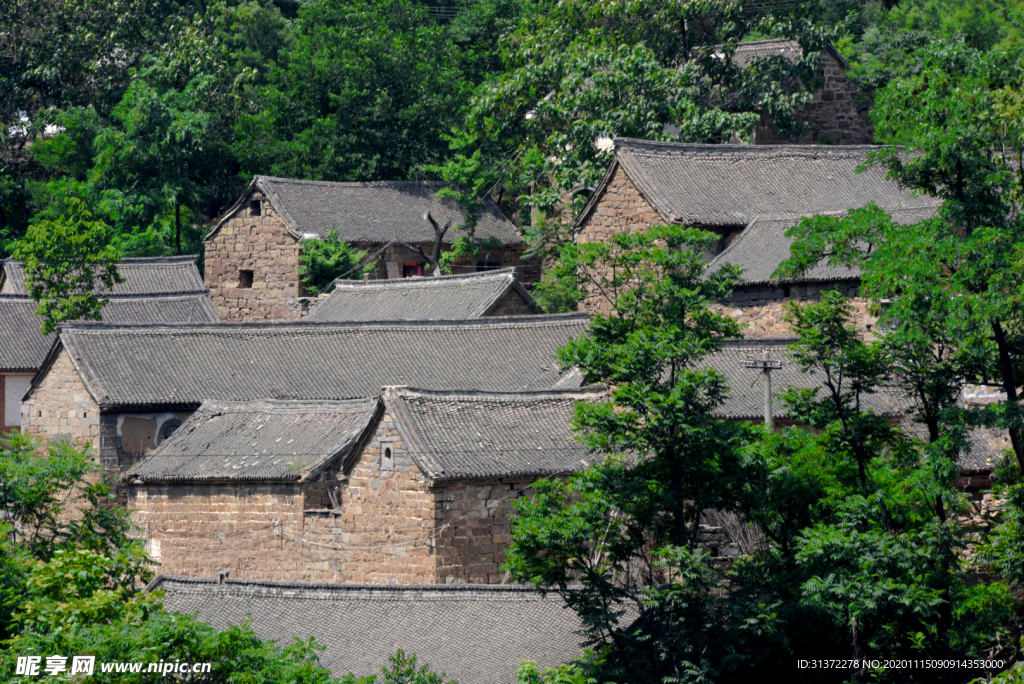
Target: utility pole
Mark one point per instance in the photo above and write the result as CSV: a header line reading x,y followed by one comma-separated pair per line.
x,y
767,364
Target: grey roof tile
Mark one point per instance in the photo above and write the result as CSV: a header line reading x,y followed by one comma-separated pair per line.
x,y
475,634
377,212
466,435
789,50
421,299
186,365
25,348
763,246
142,276
277,441
727,185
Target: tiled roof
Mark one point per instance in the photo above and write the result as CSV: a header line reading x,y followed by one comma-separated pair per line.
x,y
476,634
142,276
419,299
763,246
466,435
277,441
375,212
727,185
25,347
184,366
790,50
746,394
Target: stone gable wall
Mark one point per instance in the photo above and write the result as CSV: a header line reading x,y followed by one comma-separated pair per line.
x,y
263,245
60,407
513,304
761,308
837,114
620,208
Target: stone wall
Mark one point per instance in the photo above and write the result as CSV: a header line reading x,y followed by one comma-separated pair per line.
x,y
837,114
382,524
513,305
126,437
761,308
60,407
255,241
620,208
474,526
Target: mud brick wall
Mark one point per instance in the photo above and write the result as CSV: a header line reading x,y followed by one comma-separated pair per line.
x,y
259,243
762,309
619,209
60,407
837,114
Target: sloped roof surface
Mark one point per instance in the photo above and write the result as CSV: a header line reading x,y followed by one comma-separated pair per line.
x,y
476,634
418,299
261,440
746,385
142,276
763,246
461,434
381,211
719,185
187,365
25,348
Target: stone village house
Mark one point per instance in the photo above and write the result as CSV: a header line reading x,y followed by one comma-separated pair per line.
x,y
413,487
724,189
450,297
252,253
156,290
86,393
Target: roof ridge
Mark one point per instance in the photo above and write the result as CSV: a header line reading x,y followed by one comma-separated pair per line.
x,y
755,341
285,404
626,143
763,41
424,280
353,184
346,587
490,321
489,395
169,260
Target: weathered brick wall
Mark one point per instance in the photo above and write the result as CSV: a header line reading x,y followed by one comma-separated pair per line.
x,y
762,309
60,407
619,209
475,523
837,114
512,305
261,244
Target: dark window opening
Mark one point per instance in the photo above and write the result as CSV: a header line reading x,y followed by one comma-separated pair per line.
x,y
387,456
255,208
412,270
244,278
167,429
786,291
488,265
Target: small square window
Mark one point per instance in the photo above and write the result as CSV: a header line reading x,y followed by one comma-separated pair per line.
x,y
245,278
255,208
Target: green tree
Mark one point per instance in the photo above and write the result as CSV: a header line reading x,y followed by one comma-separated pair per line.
x,y
364,93
580,73
619,541
323,260
69,263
